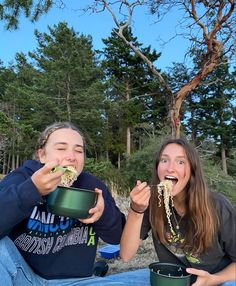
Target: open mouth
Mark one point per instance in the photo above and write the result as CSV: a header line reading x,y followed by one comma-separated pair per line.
x,y
174,180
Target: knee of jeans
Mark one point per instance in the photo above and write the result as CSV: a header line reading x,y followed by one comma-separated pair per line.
x,y
5,258
4,246
10,261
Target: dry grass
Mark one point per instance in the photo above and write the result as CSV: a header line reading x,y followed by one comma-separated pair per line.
x,y
145,255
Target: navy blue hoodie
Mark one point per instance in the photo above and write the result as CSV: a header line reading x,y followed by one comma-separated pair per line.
x,y
54,246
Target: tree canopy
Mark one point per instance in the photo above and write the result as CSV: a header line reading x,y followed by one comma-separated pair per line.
x,y
119,98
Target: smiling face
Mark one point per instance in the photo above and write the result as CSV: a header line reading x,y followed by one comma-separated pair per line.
x,y
174,165
65,146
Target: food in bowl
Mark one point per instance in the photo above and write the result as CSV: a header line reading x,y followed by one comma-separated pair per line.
x,y
163,274
68,201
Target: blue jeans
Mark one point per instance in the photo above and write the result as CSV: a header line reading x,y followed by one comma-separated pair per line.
x,y
14,271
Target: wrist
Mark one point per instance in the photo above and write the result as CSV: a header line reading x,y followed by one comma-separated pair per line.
x,y
136,211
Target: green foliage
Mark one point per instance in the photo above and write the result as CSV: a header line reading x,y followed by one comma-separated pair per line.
x,y
231,162
70,81
5,122
106,172
140,164
128,85
218,181
65,81
11,10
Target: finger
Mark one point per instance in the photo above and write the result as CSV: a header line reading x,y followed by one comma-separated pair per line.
x,y
138,189
93,217
96,209
99,207
195,271
98,191
142,198
47,168
143,186
87,220
100,199
142,192
138,182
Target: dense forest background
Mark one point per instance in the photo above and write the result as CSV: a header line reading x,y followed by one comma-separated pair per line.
x,y
118,104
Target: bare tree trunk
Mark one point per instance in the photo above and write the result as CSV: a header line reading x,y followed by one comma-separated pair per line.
x,y
212,46
8,163
107,155
210,61
17,161
4,167
223,159
128,132
118,161
13,163
128,142
68,107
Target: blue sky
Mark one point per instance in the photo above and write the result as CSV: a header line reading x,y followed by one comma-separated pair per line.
x,y
98,26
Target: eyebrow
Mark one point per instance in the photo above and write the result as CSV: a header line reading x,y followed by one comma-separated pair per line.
x,y
64,143
166,155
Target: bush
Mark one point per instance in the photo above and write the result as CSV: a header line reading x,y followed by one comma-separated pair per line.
x,y
218,181
105,171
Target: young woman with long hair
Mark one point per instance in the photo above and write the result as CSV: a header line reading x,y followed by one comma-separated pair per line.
x,y
190,225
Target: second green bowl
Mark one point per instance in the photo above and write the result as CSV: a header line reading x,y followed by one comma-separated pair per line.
x,y
165,274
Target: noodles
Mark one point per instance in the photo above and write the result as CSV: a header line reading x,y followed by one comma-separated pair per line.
x,y
164,189
70,175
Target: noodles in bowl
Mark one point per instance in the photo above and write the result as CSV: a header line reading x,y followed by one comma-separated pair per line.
x,y
69,201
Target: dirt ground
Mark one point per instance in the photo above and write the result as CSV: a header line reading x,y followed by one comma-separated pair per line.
x,y
145,255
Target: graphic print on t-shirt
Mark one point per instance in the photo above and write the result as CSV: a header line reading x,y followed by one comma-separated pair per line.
x,y
47,233
175,246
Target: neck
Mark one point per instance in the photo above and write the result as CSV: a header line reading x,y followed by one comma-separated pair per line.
x,y
180,204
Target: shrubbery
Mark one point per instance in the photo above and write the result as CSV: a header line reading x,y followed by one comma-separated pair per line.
x,y
139,166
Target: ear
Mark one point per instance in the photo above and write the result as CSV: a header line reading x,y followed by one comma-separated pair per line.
x,y
41,155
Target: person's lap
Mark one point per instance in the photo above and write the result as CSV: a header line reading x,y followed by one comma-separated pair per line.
x,y
15,271
137,277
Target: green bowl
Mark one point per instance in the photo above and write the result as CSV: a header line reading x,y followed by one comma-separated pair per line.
x,y
71,202
163,274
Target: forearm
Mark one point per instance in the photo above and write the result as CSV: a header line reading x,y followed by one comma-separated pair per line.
x,y
110,225
16,203
130,239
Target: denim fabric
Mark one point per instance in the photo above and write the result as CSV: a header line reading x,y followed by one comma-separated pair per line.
x,y
14,271
229,283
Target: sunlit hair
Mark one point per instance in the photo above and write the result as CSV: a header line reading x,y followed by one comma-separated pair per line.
x,y
202,220
44,136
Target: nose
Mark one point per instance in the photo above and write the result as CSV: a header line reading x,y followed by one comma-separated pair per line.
x,y
70,156
170,166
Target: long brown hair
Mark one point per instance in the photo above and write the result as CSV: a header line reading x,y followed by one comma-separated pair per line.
x,y
202,221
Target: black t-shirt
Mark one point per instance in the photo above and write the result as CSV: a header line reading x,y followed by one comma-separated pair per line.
x,y
223,251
